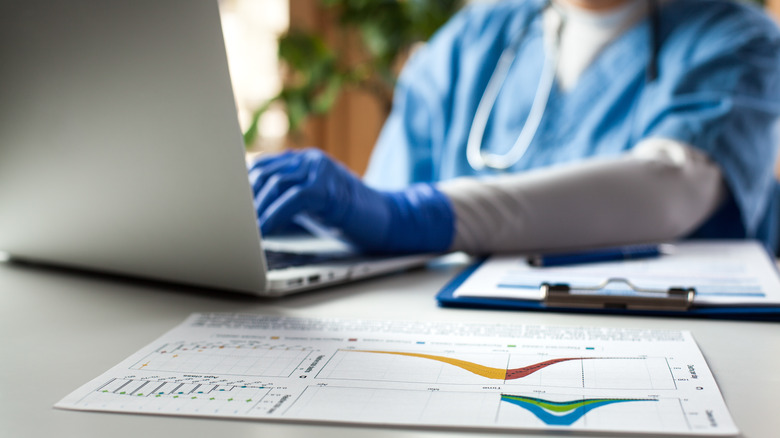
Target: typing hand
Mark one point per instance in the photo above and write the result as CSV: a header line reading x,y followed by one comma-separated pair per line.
x,y
418,219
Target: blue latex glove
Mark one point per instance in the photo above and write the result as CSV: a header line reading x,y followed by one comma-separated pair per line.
x,y
418,219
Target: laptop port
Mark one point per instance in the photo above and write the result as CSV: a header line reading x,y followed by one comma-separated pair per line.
x,y
314,278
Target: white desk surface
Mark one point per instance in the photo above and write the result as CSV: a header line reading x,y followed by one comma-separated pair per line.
x,y
61,328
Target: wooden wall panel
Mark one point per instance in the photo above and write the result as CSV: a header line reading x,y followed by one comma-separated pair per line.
x,y
773,6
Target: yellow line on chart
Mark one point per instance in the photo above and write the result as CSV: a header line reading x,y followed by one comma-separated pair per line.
x,y
481,370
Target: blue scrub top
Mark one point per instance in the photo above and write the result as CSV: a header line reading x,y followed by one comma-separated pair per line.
x,y
718,89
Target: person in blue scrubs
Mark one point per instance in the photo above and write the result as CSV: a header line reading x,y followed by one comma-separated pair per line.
x,y
547,125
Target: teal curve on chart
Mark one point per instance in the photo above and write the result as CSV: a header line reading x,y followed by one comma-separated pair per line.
x,y
564,413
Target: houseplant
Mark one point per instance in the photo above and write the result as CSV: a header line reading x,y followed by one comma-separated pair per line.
x,y
317,72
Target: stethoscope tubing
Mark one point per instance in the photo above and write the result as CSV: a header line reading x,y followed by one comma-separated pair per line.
x,y
478,159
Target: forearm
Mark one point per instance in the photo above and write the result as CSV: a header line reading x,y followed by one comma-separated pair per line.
x,y
661,190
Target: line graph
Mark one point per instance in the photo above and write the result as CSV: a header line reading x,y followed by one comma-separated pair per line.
x,y
454,407
601,410
522,369
482,370
176,388
563,413
244,358
184,396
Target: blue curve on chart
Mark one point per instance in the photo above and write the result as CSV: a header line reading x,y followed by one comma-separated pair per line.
x,y
577,408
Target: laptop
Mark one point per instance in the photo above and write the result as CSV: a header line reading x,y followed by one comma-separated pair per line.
x,y
120,151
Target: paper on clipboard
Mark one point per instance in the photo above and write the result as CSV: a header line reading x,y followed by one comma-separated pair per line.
x,y
724,273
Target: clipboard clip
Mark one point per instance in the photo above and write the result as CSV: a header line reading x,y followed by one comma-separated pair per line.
x,y
677,299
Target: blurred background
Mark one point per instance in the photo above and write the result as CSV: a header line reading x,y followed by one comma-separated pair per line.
x,y
321,72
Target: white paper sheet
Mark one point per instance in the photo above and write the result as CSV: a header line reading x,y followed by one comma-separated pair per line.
x,y
722,272
418,374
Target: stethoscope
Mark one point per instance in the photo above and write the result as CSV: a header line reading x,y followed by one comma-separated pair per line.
x,y
480,160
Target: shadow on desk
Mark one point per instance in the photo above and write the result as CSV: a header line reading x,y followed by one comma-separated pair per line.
x,y
298,300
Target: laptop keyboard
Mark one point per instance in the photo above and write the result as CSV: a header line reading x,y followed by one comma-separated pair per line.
x,y
282,259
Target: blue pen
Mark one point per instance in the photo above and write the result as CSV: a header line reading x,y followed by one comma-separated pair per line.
x,y
599,255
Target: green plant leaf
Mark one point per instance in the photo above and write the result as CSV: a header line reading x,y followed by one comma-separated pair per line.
x,y
318,74
324,100
253,131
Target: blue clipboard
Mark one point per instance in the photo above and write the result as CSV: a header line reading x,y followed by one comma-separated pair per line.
x,y
446,298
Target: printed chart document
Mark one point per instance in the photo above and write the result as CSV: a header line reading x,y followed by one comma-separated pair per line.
x,y
723,273
418,374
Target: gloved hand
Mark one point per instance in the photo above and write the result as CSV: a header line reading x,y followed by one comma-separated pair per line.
x,y
418,219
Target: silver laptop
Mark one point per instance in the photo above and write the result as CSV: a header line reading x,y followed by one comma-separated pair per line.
x,y
120,149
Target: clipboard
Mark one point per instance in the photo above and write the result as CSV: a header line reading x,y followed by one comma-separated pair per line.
x,y
672,299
